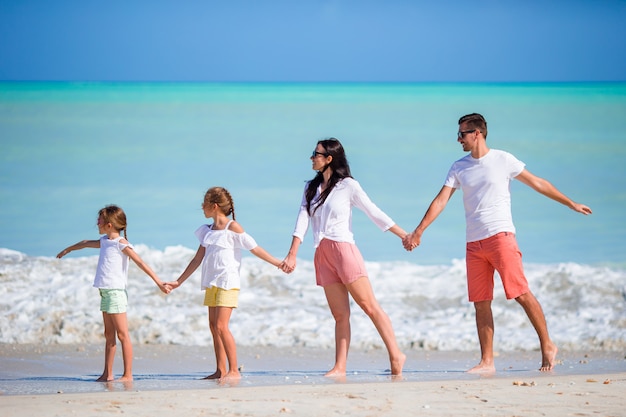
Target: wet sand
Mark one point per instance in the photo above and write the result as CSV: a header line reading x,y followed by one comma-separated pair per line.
x,y
60,380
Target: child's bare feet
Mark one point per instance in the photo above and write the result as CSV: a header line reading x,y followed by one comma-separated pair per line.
x,y
230,376
104,378
214,375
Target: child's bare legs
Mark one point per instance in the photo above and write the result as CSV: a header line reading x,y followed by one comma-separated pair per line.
x,y
109,348
227,340
218,347
339,304
116,325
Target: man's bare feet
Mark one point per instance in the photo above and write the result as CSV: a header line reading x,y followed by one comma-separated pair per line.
x,y
104,378
548,358
397,365
125,378
483,368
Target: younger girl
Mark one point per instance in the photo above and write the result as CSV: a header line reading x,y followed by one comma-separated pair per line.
x,y
111,279
220,255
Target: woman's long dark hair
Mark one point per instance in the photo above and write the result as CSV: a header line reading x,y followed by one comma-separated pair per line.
x,y
339,165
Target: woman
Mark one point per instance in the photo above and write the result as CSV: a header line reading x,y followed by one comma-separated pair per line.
x,y
339,267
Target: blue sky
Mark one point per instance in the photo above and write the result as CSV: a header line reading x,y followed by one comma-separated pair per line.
x,y
317,40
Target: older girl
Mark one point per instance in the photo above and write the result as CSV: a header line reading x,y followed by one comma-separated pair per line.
x,y
219,253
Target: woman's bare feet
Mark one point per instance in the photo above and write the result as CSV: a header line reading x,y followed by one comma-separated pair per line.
x,y
333,373
397,365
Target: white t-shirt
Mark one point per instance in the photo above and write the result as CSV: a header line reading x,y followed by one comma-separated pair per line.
x,y
112,270
222,257
485,183
333,220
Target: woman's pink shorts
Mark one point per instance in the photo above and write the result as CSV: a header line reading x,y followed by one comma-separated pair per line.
x,y
338,262
496,253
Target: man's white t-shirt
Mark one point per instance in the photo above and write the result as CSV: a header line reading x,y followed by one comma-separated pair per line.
x,y
485,183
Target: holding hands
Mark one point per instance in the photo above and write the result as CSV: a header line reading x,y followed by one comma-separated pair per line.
x,y
288,265
411,240
164,287
170,286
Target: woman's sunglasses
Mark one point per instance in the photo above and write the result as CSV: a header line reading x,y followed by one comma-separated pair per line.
x,y
315,153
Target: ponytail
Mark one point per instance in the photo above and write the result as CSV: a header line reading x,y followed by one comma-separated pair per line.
x,y
222,197
116,216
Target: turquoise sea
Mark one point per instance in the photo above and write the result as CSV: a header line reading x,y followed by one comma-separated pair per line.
x,y
67,149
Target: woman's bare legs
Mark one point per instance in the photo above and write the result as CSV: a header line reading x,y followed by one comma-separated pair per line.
x,y
361,291
339,304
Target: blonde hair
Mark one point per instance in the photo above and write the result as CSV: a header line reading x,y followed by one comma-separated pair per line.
x,y
114,215
223,199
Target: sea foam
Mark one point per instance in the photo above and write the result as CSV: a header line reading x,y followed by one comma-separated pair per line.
x,y
45,300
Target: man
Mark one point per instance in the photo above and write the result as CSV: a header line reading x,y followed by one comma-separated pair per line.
x,y
484,177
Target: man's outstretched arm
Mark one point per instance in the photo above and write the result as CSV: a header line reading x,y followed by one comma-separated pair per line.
x,y
546,188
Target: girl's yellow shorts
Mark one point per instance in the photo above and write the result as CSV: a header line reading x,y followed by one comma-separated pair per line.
x,y
219,297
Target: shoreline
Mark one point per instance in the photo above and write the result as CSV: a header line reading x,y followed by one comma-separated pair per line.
x,y
60,380
51,369
552,395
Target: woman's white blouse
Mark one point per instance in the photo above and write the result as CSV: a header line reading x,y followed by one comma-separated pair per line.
x,y
333,219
